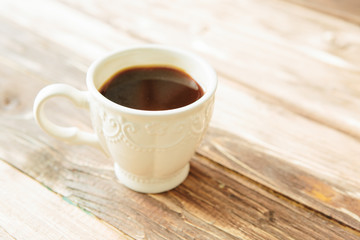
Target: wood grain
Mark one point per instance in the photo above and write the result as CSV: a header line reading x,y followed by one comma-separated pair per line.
x,y
250,46
348,10
5,235
330,198
318,155
286,115
332,83
30,211
213,203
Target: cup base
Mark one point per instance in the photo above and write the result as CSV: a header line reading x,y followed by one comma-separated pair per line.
x,y
146,185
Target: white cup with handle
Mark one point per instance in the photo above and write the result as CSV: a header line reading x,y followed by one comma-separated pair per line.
x,y
151,149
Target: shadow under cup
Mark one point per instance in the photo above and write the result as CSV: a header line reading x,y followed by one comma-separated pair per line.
x,y
151,149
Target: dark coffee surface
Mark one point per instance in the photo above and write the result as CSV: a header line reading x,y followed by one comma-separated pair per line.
x,y
152,88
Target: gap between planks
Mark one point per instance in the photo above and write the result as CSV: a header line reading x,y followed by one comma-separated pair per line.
x,y
4,235
98,229
218,166
278,194
291,107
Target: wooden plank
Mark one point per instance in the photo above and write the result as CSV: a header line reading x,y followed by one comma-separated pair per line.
x,y
279,137
289,145
334,68
256,45
30,211
85,178
85,36
5,235
348,10
213,203
333,199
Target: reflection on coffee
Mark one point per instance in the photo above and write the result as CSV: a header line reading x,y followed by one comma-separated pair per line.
x,y
152,88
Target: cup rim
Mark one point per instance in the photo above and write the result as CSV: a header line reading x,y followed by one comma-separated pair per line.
x,y
95,92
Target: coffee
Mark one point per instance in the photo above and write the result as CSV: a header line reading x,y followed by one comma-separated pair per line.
x,y
152,88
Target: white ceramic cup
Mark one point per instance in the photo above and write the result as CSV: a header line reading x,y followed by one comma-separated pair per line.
x,y
151,149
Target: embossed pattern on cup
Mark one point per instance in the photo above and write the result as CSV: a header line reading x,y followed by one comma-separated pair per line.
x,y
151,149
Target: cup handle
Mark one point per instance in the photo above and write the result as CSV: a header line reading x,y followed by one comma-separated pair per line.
x,y
68,134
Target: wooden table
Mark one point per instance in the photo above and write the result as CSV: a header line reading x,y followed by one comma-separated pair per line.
x,y
281,159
